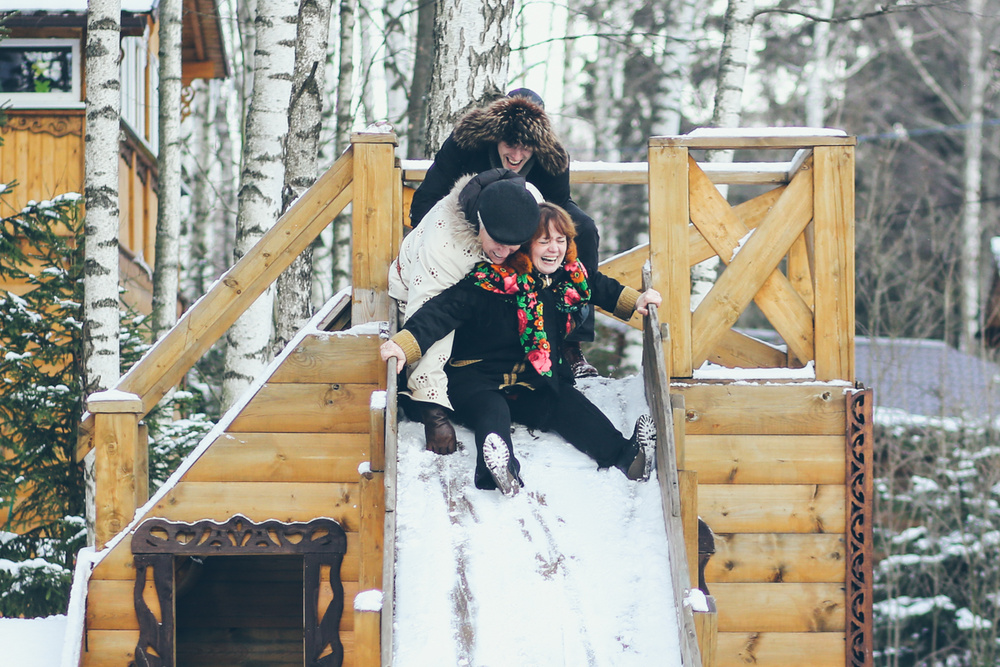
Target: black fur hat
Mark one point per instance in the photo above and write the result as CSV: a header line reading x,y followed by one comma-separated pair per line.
x,y
514,120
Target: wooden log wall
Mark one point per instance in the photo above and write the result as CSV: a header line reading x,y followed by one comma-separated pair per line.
x,y
772,485
293,453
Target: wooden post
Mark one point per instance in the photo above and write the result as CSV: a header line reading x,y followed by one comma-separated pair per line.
x,y
706,625
367,652
688,483
374,215
116,439
833,223
668,248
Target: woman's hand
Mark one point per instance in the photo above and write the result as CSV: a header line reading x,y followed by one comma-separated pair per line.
x,y
390,349
650,296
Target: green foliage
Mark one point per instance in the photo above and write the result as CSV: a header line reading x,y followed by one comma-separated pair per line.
x,y
41,404
937,529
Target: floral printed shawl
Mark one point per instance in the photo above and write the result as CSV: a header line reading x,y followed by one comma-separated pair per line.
x,y
522,286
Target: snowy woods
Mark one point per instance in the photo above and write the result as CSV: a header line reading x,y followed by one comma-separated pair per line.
x,y
916,83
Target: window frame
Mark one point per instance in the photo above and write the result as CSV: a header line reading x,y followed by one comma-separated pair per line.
x,y
53,100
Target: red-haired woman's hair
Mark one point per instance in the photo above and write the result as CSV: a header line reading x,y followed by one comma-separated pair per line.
x,y
557,217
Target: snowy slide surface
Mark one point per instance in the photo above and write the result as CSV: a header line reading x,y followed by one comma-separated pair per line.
x,y
572,571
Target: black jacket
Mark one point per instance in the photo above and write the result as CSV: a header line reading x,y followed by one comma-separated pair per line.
x,y
472,149
487,352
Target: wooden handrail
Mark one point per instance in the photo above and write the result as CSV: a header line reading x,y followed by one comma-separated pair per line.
x,y
166,363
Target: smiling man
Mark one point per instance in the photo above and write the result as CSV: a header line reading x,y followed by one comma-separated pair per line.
x,y
484,217
514,132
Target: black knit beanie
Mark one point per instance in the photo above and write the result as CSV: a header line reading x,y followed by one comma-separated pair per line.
x,y
508,211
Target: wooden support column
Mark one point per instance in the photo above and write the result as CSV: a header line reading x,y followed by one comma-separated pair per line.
x,y
668,249
117,441
706,626
833,223
374,217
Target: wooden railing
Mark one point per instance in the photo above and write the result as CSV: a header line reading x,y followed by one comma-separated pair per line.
x,y
363,174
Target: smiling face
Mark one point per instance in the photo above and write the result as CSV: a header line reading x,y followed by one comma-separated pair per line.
x,y
514,157
496,252
549,250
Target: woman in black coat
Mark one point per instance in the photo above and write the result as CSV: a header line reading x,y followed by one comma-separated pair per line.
x,y
510,322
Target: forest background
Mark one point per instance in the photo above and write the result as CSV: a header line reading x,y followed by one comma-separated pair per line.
x,y
915,82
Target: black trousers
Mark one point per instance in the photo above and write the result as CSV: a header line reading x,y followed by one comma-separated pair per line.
x,y
568,413
588,240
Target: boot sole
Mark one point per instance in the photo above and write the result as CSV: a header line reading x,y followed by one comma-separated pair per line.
x,y
497,456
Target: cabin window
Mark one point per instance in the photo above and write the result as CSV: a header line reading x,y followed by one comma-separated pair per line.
x,y
40,72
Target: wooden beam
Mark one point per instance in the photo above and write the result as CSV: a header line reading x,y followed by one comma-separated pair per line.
x,y
372,226
780,649
212,315
834,248
116,438
776,558
807,608
752,274
763,138
768,508
767,459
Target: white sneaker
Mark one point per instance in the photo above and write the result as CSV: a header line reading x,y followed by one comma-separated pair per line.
x,y
497,458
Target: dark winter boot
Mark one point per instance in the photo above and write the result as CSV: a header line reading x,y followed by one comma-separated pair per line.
x,y
637,459
498,461
438,431
577,362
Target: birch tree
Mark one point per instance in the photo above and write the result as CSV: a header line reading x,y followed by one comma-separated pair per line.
x,y
342,138
101,317
471,53
420,83
399,65
261,181
294,305
168,207
972,180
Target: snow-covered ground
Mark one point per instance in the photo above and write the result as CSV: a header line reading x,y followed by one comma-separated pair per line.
x,y
572,571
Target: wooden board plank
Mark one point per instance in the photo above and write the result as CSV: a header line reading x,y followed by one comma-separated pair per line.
x,y
781,649
372,530
110,605
753,270
737,350
776,558
329,358
764,139
834,249
109,648
307,408
780,607
668,238
281,457
769,508
284,501
372,224
796,409
750,213
768,459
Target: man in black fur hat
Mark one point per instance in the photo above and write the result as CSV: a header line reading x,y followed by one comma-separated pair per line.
x,y
514,133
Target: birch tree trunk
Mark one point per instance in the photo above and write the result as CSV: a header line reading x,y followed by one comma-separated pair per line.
x,y
471,54
677,58
225,204
398,65
818,82
294,306
101,316
972,181
345,120
733,61
166,276
261,182
201,162
420,84
372,39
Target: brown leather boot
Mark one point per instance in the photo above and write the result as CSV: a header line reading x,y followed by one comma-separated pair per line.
x,y
438,431
577,362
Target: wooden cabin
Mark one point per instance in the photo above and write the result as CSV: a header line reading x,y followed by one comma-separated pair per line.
x,y
289,505
43,89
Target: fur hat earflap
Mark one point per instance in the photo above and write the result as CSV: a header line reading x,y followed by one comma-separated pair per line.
x,y
516,121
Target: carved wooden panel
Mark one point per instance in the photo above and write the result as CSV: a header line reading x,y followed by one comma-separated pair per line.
x,y
321,542
859,528
57,126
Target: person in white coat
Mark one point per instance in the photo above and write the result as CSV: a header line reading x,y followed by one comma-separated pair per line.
x,y
485,217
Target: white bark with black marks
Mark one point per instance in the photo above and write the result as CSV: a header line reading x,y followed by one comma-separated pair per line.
x,y
101,315
261,182
166,277
471,55
294,305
